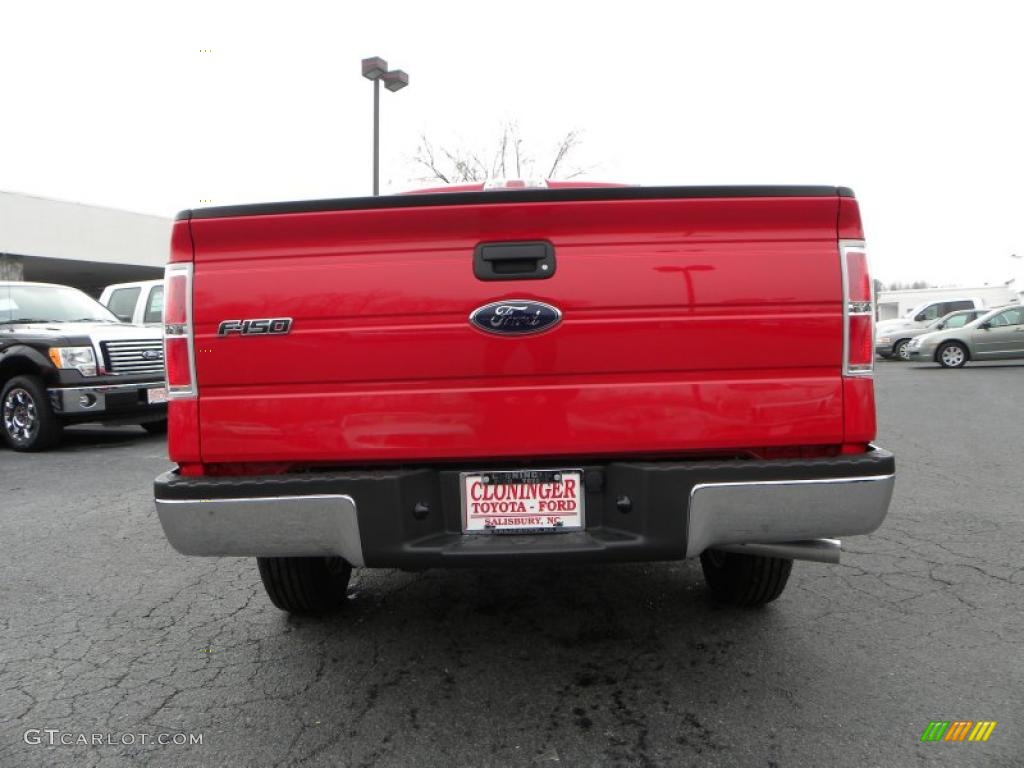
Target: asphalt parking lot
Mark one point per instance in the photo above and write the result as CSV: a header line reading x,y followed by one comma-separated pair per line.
x,y
105,630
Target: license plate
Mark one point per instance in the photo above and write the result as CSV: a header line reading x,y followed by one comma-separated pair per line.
x,y
156,395
527,501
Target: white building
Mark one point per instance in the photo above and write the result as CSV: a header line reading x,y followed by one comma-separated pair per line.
x,y
86,246
1016,283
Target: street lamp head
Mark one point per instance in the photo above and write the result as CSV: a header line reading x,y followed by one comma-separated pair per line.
x,y
395,80
374,68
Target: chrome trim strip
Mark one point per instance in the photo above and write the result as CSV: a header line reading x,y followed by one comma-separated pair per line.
x,y
188,330
774,511
321,525
111,387
844,246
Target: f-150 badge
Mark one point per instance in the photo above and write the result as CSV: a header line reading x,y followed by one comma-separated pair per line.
x,y
515,317
269,326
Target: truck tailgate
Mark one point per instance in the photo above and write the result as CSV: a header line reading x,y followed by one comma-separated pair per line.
x,y
688,324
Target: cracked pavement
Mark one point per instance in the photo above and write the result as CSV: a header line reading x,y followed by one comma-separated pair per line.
x,y
104,629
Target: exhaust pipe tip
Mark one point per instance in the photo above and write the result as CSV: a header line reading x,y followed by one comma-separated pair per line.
x,y
815,550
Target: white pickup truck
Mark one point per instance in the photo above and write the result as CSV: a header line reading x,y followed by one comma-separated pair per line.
x,y
139,303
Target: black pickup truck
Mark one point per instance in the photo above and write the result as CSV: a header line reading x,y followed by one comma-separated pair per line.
x,y
66,359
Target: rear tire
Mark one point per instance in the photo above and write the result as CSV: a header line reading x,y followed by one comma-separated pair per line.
x,y
952,354
305,584
26,419
742,580
900,351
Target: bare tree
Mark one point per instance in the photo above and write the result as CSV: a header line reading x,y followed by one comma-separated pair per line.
x,y
565,146
456,164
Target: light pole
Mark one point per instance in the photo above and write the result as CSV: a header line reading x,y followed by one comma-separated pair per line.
x,y
376,69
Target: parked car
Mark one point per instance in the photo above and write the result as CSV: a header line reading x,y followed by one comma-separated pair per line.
x,y
996,335
927,312
425,373
66,359
894,343
140,303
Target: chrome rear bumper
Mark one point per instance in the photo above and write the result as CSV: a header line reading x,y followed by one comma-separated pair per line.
x,y
410,518
774,511
276,526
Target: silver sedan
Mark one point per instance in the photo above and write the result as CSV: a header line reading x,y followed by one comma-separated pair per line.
x,y
894,342
996,335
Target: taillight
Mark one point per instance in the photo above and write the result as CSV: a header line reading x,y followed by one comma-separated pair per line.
x,y
858,310
179,352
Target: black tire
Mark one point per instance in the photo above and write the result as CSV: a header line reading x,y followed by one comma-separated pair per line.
x,y
305,584
27,421
155,427
746,581
952,354
899,350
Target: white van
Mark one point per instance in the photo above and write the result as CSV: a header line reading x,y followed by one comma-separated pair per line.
x,y
926,312
140,303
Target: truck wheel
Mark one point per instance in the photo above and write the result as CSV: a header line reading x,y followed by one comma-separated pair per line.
x,y
26,418
155,427
901,351
744,580
305,584
952,354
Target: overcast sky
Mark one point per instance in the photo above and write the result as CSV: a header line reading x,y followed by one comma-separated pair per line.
x,y
917,106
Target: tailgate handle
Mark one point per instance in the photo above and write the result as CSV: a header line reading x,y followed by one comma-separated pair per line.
x,y
533,260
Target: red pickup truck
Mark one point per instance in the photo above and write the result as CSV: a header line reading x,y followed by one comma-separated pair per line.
x,y
552,374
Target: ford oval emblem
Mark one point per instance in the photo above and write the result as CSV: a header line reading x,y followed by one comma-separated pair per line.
x,y
150,354
515,317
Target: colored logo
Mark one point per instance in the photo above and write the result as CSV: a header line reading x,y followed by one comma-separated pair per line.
x,y
515,317
958,730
